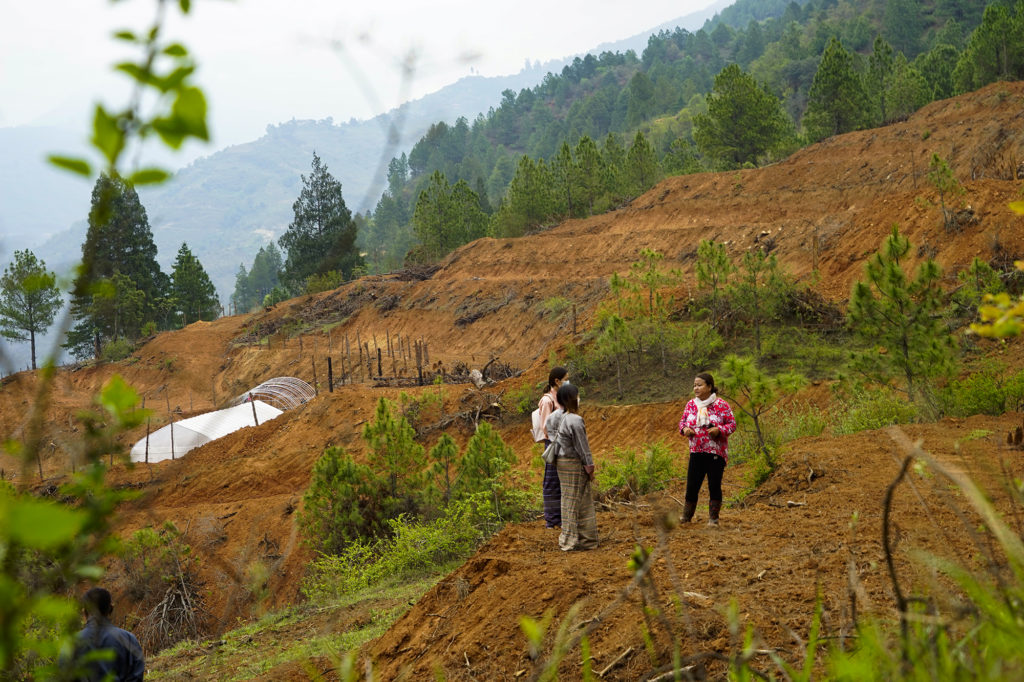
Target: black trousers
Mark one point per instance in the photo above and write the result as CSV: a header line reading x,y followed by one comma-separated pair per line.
x,y
704,464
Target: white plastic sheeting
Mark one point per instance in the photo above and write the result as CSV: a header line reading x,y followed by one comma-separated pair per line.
x,y
195,431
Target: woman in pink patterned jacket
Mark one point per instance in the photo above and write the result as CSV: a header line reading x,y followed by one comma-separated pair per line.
x,y
707,421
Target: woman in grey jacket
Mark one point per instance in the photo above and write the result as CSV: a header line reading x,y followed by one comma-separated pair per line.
x,y
575,476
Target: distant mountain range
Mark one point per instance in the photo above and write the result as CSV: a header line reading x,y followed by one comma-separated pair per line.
x,y
230,203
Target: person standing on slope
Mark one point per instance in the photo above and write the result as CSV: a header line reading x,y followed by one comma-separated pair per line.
x,y
707,422
551,490
575,475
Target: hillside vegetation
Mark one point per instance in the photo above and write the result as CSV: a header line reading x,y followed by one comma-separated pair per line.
x,y
822,212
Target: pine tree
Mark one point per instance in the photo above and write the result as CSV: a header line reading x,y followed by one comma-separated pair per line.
x,y
433,219
118,241
447,217
471,222
591,169
193,293
444,458
908,90
901,319
681,158
613,165
837,102
29,299
648,280
713,269
995,51
342,504
529,201
486,459
397,457
565,172
642,167
880,70
744,122
754,393
758,290
936,67
242,297
903,24
942,178
322,235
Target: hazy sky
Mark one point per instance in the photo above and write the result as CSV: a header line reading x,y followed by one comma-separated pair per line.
x,y
267,61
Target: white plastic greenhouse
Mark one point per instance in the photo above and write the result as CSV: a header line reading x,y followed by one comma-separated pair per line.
x,y
177,438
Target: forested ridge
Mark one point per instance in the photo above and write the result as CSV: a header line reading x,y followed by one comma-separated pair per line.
x,y
609,126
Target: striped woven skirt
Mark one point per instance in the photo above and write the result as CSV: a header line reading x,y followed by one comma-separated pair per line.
x,y
579,520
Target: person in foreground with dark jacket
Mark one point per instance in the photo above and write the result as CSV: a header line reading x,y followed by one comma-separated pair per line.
x,y
104,651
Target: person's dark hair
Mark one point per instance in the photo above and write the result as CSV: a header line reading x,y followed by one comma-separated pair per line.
x,y
556,374
709,380
568,397
97,602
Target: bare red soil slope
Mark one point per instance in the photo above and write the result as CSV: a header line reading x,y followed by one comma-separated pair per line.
x,y
827,207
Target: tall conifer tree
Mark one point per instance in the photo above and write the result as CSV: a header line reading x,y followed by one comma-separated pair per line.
x,y
119,242
837,102
193,293
322,235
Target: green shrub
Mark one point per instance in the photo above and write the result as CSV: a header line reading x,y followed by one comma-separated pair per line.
x,y
116,349
331,279
642,472
276,295
696,344
989,391
523,400
798,420
150,559
863,410
414,549
556,305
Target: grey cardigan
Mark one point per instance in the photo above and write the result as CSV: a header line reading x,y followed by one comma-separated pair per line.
x,y
572,437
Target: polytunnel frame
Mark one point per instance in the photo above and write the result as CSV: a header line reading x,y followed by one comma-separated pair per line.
x,y
282,392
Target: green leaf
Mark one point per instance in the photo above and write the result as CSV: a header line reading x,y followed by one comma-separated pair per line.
x,y
1017,207
118,397
148,176
176,50
107,135
175,79
137,73
125,35
39,524
79,166
169,131
55,609
190,107
185,5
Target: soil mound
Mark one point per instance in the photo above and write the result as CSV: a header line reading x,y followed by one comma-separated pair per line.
x,y
826,208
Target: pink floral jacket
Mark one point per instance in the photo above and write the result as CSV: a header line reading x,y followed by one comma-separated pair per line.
x,y
720,415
